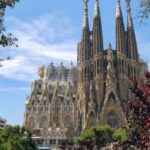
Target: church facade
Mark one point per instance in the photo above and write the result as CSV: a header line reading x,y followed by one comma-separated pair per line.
x,y
105,74
66,101
51,107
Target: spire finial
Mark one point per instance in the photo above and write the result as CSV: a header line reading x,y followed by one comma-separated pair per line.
x,y
96,9
110,47
118,3
129,13
118,9
85,19
128,6
86,7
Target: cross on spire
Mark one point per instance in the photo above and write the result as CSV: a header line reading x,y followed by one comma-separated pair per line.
x,y
96,9
85,19
128,6
118,9
86,7
129,13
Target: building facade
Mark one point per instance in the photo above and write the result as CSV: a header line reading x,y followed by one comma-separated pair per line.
x,y
66,101
51,108
105,74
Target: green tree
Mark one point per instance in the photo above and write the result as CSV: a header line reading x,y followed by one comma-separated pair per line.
x,y
138,114
16,138
120,135
99,136
144,9
6,40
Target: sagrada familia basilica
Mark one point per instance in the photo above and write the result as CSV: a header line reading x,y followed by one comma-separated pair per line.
x,y
65,101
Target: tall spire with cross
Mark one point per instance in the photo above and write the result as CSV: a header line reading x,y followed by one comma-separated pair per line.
x,y
96,9
85,18
85,42
120,31
131,38
118,9
97,30
130,22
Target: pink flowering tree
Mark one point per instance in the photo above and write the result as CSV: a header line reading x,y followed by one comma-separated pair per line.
x,y
138,114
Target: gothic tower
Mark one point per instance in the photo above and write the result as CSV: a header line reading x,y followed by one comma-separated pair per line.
x,y
105,75
91,63
98,51
131,42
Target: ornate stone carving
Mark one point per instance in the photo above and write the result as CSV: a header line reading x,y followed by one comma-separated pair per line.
x,y
42,71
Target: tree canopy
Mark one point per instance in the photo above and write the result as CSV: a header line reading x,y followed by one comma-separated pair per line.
x,y
120,135
6,39
139,114
101,135
16,138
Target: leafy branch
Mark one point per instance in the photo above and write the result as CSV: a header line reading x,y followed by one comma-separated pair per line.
x,y
145,9
6,39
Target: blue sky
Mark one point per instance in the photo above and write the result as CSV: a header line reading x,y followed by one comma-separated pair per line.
x,y
48,30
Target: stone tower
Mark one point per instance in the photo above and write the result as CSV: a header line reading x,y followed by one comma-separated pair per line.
x,y
105,74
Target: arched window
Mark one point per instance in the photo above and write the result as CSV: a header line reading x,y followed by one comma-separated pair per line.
x,y
91,115
112,119
44,133
97,67
123,66
53,134
131,71
128,70
91,72
85,74
68,120
111,98
31,121
43,121
56,120
61,134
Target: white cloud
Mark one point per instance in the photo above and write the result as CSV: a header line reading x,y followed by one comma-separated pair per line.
x,y
41,40
19,68
46,38
14,89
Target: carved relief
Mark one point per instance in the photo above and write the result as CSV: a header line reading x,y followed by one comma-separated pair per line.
x,y
41,71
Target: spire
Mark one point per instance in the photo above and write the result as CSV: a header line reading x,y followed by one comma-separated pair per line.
x,y
96,9
97,30
130,22
120,31
69,91
131,38
85,42
70,74
118,9
110,47
85,18
61,72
